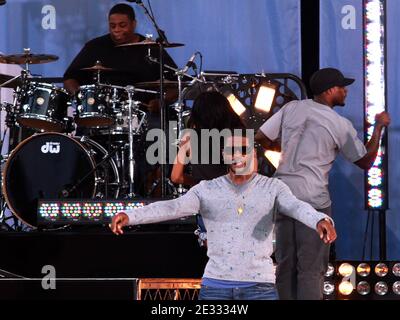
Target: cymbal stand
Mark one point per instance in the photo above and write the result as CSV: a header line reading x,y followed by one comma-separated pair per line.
x,y
131,159
162,42
132,106
8,222
97,77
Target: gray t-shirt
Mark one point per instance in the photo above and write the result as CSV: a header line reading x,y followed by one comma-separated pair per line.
x,y
312,135
239,244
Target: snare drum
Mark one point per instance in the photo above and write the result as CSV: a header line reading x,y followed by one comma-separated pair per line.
x,y
94,106
43,106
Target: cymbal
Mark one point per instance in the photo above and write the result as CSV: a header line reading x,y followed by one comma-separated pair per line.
x,y
156,84
98,67
29,58
151,44
12,84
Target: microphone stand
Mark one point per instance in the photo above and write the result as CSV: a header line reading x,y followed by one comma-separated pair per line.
x,y
162,41
179,108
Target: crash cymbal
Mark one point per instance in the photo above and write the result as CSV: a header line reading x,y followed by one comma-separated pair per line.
x,y
150,44
12,84
156,84
27,58
98,67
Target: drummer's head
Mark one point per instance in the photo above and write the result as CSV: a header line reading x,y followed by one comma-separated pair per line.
x,y
122,23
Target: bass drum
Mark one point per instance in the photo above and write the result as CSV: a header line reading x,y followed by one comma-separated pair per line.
x,y
56,166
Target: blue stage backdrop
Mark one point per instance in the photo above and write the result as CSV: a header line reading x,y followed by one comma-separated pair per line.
x,y
341,36
237,35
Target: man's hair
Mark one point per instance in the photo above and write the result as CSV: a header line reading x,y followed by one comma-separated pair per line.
x,y
122,8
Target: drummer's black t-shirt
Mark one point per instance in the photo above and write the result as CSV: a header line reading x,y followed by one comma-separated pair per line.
x,y
130,63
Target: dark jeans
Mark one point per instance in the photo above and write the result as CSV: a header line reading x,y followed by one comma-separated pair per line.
x,y
302,259
262,291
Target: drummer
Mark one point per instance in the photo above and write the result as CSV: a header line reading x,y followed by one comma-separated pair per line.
x,y
130,64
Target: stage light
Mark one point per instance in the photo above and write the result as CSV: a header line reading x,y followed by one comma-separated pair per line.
x,y
330,270
375,98
381,270
396,288
273,157
371,280
329,288
346,288
363,288
396,269
235,103
381,288
265,97
346,270
363,269
74,212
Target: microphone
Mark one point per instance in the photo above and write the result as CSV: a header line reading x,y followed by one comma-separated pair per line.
x,y
190,63
3,2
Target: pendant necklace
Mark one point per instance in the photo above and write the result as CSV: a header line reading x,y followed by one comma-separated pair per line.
x,y
241,195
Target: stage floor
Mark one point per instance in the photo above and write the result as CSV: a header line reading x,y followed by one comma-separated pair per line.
x,y
93,255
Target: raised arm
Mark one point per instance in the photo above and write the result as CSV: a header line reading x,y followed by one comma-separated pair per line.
x,y
187,205
372,146
177,174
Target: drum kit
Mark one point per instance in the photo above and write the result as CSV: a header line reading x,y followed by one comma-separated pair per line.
x,y
57,162
54,163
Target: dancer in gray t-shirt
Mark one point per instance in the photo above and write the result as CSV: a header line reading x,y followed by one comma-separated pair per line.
x,y
312,134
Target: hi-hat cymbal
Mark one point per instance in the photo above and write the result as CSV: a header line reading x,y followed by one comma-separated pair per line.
x,y
151,44
27,58
12,84
98,67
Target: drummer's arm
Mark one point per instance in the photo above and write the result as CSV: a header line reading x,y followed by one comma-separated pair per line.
x,y
171,94
71,85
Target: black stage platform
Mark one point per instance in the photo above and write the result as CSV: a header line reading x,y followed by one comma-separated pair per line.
x,y
101,254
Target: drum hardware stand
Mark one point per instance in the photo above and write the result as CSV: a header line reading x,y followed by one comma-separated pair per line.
x,y
3,205
174,190
162,41
4,218
67,191
132,105
131,159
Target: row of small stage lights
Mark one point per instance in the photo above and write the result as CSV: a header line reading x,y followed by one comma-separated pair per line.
x,y
362,280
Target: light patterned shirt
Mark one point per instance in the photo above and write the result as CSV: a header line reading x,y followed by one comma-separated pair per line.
x,y
239,220
312,135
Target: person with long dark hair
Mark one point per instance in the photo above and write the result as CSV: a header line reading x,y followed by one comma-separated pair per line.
x,y
210,111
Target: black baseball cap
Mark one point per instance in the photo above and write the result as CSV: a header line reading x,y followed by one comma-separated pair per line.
x,y
327,78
